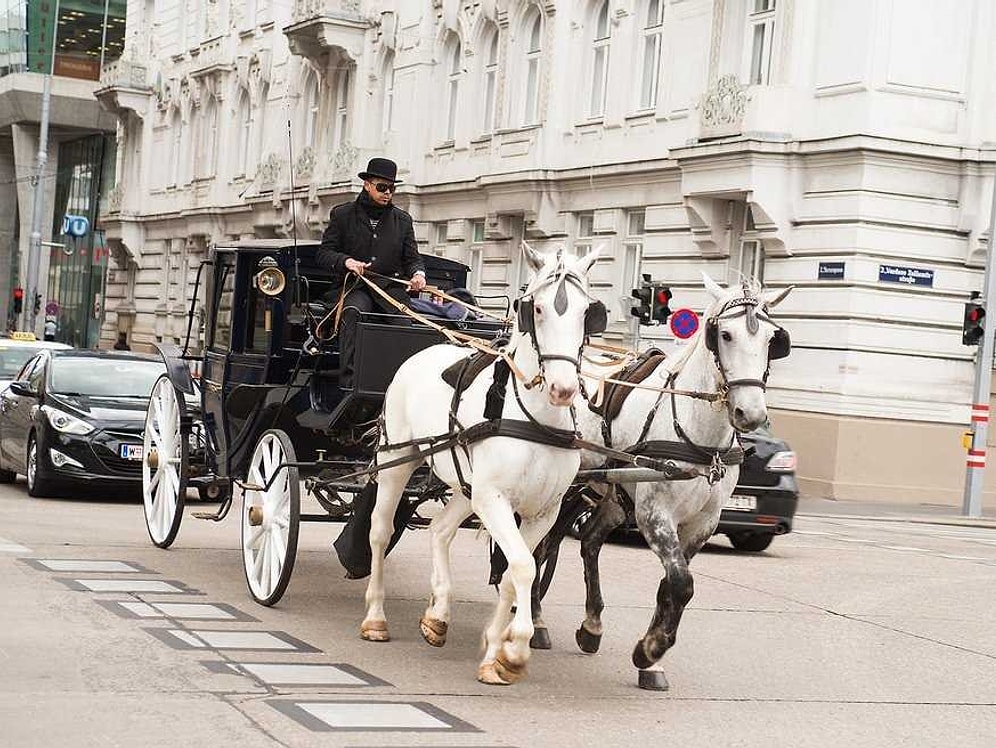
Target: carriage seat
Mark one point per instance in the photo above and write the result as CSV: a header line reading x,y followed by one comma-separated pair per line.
x,y
615,395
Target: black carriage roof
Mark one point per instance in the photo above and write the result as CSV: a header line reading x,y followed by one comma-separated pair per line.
x,y
265,245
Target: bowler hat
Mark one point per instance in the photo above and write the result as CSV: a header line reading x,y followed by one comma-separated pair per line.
x,y
384,168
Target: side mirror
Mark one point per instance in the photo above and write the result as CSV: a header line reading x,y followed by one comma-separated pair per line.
x,y
23,389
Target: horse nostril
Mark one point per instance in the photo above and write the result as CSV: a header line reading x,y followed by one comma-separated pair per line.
x,y
738,414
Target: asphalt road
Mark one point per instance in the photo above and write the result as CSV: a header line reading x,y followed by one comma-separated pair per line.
x,y
849,632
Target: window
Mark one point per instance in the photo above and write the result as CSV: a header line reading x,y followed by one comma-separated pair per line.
x,y
453,85
476,269
600,60
636,221
221,331
585,233
761,30
751,260
244,136
534,24
311,106
342,107
442,232
653,31
490,83
176,147
477,232
209,139
388,93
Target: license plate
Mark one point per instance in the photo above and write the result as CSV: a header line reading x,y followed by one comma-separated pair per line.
x,y
131,451
741,503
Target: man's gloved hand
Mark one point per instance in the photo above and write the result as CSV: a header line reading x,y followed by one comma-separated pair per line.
x,y
417,282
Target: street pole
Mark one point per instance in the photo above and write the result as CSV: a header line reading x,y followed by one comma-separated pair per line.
x,y
34,253
975,472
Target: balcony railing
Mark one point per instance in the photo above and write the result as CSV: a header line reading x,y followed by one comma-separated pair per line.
x,y
124,74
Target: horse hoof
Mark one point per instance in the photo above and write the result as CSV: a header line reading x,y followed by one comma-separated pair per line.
x,y
487,673
541,639
587,641
653,680
374,631
433,631
509,672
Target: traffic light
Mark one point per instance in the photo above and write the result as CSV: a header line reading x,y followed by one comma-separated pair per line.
x,y
972,326
660,310
37,306
643,294
18,300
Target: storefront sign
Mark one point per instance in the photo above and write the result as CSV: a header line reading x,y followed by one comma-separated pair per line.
x,y
909,276
831,271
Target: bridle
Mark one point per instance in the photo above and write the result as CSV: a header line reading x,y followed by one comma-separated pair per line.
x,y
746,306
595,317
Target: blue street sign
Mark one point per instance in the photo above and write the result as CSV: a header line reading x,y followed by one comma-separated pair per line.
x,y
831,271
75,225
684,323
908,276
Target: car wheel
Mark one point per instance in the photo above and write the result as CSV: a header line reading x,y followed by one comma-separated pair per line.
x,y
40,484
751,541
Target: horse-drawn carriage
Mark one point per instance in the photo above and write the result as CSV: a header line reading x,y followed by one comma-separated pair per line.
x,y
259,412
251,403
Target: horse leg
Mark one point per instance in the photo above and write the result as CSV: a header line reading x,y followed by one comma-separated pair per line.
x,y
608,515
673,594
390,488
507,650
435,621
546,556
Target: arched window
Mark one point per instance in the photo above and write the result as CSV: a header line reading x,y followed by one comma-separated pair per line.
x,y
653,31
341,121
454,71
533,52
244,136
206,159
176,145
388,93
311,106
600,39
490,87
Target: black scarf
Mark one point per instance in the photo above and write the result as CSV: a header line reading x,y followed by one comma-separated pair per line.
x,y
372,209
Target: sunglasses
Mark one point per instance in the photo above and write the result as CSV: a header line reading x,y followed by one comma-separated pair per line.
x,y
383,187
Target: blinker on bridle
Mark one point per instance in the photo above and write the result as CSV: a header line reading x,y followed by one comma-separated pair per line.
x,y
778,347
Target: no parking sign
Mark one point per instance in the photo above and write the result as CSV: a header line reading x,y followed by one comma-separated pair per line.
x,y
684,323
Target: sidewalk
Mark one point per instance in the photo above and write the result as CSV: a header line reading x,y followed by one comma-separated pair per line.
x,y
887,512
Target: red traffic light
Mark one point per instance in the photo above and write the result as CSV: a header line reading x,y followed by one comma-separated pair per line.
x,y
663,296
975,314
19,294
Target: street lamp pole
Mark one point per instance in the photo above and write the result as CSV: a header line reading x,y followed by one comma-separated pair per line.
x,y
34,252
976,464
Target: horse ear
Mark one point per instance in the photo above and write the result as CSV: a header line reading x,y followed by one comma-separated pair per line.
x,y
775,298
714,289
534,259
586,263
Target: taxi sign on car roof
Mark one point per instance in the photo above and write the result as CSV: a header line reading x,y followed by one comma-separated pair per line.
x,y
18,335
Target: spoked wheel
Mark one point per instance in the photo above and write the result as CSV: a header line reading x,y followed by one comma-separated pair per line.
x,y
270,517
164,463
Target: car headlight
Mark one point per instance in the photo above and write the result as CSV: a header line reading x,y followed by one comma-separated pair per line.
x,y
65,423
782,462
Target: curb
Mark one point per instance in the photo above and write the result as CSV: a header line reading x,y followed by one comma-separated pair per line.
x,y
983,522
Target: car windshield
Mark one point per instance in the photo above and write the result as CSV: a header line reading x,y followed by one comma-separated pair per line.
x,y
104,377
12,359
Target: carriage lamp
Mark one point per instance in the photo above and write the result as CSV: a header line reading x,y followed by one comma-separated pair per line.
x,y
65,423
270,279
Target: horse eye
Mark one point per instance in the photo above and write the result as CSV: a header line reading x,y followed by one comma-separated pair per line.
x,y
726,336
538,310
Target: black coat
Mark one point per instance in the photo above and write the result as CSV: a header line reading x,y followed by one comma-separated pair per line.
x,y
390,248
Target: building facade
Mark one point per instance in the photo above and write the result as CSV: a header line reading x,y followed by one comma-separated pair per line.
x,y
844,148
34,43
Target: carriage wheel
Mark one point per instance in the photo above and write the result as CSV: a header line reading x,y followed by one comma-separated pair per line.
x,y
270,518
164,463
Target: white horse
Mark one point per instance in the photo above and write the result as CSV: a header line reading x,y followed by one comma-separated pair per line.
x,y
508,477
730,357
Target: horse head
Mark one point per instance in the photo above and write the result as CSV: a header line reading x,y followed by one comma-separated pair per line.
x,y
558,313
744,340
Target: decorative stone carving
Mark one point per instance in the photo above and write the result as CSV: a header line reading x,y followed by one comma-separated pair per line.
x,y
344,160
115,197
269,170
305,164
723,108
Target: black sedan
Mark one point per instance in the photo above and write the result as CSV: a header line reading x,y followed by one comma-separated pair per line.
x,y
76,416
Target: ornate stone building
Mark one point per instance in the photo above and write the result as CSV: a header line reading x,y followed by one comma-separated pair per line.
x,y
845,148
